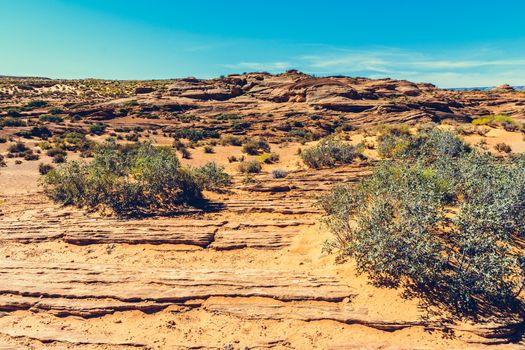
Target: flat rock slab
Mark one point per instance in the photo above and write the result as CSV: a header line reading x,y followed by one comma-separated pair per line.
x,y
54,334
67,283
102,232
33,220
340,312
85,308
261,238
493,332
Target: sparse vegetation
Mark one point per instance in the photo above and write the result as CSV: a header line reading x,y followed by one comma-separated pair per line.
x,y
250,167
329,153
499,120
503,147
255,147
36,104
51,118
212,177
399,227
279,173
97,129
195,134
269,158
132,180
43,169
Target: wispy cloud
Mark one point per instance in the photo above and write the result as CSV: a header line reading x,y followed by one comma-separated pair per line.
x,y
467,69
261,66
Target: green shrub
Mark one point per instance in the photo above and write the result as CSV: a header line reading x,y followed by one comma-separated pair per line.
x,y
212,177
129,181
399,227
428,144
13,122
255,147
55,111
279,173
503,147
185,152
51,118
43,169
36,104
241,126
231,140
36,131
59,158
498,120
73,141
97,129
250,167
393,141
269,158
195,134
31,156
14,112
329,153
18,147
209,149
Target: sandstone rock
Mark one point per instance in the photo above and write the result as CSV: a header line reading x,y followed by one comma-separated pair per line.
x,y
504,88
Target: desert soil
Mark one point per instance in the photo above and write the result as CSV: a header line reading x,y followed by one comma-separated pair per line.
x,y
249,271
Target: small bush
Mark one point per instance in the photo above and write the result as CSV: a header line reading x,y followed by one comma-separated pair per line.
x,y
212,177
329,153
130,181
36,104
250,167
51,118
498,120
55,111
208,149
279,173
14,112
36,131
52,152
398,226
269,158
59,158
503,147
231,140
17,147
12,122
185,152
195,134
254,147
97,129
44,168
31,156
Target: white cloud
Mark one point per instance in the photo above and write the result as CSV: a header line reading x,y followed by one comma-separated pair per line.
x,y
468,69
260,66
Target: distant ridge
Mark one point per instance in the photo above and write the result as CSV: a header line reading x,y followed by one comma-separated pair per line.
x,y
483,88
22,77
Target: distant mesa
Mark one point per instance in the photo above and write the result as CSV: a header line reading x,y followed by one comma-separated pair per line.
x,y
504,87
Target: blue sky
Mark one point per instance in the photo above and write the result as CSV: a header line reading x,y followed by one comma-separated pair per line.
x,y
457,43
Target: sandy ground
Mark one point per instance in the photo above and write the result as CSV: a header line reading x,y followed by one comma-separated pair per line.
x,y
195,325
